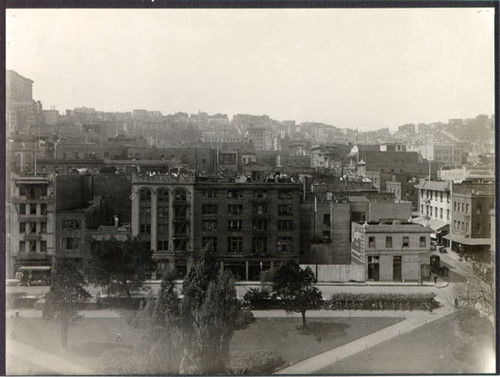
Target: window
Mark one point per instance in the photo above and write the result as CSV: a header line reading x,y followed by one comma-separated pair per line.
x,y
423,241
326,218
285,209
43,246
388,242
43,209
447,214
455,206
209,194
260,194
234,224
22,190
22,246
180,244
259,244
285,194
43,227
462,225
463,207
285,244
33,247
22,227
454,224
234,194
478,209
209,242
326,236
440,213
71,243
145,228
180,195
406,241
371,241
467,208
431,211
286,225
32,209
259,209
209,225
259,224
70,224
209,209
163,245
422,209
234,244
466,227
441,196
235,209
22,209
478,227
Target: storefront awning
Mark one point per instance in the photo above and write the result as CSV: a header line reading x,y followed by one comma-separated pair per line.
x,y
467,240
34,268
435,225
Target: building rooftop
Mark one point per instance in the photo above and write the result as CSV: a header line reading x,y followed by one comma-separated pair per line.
x,y
433,185
394,227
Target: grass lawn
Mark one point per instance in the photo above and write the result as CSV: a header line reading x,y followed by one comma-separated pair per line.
x,y
87,339
433,348
286,337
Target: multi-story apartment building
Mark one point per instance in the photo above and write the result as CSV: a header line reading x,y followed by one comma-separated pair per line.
x,y
434,205
261,138
250,226
20,107
163,216
471,225
394,251
30,224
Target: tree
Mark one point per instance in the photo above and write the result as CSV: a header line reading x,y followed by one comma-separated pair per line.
x,y
159,349
209,310
477,295
66,292
121,266
295,287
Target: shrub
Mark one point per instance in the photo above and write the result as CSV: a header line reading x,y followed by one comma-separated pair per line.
x,y
259,362
390,301
244,318
255,298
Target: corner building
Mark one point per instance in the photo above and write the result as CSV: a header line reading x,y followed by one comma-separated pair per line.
x,y
251,226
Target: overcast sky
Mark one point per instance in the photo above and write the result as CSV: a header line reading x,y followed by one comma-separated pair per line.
x,y
350,68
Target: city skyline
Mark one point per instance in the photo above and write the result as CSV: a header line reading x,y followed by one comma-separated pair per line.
x,y
304,65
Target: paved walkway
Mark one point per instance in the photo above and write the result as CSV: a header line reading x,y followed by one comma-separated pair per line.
x,y
413,321
43,360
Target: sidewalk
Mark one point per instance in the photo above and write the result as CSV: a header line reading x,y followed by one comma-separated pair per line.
x,y
37,313
316,363
39,358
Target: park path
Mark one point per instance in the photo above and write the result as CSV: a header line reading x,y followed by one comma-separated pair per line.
x,y
412,321
39,358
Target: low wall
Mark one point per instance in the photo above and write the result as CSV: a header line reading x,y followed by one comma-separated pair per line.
x,y
337,273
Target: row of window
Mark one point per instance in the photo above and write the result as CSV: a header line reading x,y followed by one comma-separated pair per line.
x,y
258,224
180,195
259,244
237,209
33,192
238,194
434,195
389,244
464,207
433,211
32,228
32,246
31,209
464,226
